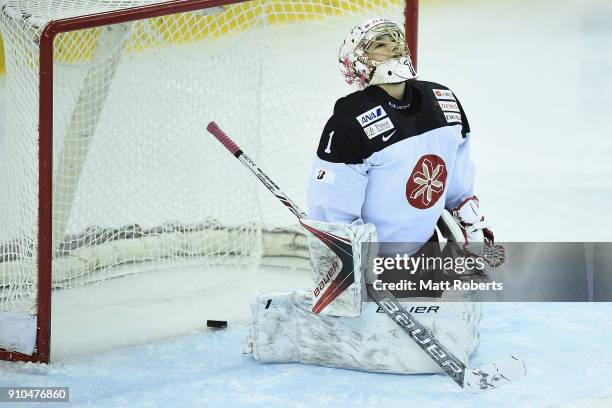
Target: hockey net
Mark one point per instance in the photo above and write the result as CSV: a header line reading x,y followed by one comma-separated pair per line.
x,y
108,171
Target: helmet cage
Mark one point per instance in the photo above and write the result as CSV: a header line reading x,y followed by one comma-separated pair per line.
x,y
356,55
375,36
361,69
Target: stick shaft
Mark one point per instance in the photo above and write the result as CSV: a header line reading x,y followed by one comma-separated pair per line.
x,y
233,148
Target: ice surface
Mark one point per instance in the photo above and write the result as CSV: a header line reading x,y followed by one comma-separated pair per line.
x,y
535,81
564,346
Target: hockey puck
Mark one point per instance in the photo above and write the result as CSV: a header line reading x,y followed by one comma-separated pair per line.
x,y
217,324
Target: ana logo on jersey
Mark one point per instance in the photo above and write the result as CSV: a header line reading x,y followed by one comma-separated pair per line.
x,y
427,182
370,116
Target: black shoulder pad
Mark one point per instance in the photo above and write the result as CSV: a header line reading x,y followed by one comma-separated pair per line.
x,y
443,93
339,104
340,143
349,102
428,85
466,125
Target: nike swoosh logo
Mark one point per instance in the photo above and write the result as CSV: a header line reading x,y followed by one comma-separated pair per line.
x,y
388,137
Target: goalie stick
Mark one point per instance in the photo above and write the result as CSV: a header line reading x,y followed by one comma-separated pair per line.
x,y
472,379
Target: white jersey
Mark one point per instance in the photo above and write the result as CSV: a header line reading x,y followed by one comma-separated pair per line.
x,y
395,164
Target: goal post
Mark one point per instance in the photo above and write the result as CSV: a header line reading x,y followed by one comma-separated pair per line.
x,y
411,29
108,163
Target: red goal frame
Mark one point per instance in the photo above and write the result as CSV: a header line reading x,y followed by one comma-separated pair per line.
x,y
45,161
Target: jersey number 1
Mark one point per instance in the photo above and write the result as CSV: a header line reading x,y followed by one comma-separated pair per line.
x,y
328,148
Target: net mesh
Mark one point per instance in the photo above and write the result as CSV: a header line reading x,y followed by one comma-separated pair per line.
x,y
136,179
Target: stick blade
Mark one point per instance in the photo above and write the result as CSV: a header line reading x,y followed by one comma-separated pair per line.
x,y
494,375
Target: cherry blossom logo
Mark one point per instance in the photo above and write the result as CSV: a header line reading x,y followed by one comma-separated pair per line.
x,y
352,73
426,183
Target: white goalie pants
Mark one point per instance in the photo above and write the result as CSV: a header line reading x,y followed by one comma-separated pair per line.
x,y
284,330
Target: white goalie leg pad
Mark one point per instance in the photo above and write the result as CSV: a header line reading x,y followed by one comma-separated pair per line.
x,y
339,255
284,330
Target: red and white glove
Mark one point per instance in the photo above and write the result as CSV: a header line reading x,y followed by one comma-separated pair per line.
x,y
479,240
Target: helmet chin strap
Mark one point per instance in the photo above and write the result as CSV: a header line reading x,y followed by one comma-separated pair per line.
x,y
393,71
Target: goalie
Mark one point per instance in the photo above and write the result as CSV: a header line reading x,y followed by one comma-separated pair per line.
x,y
396,153
392,158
